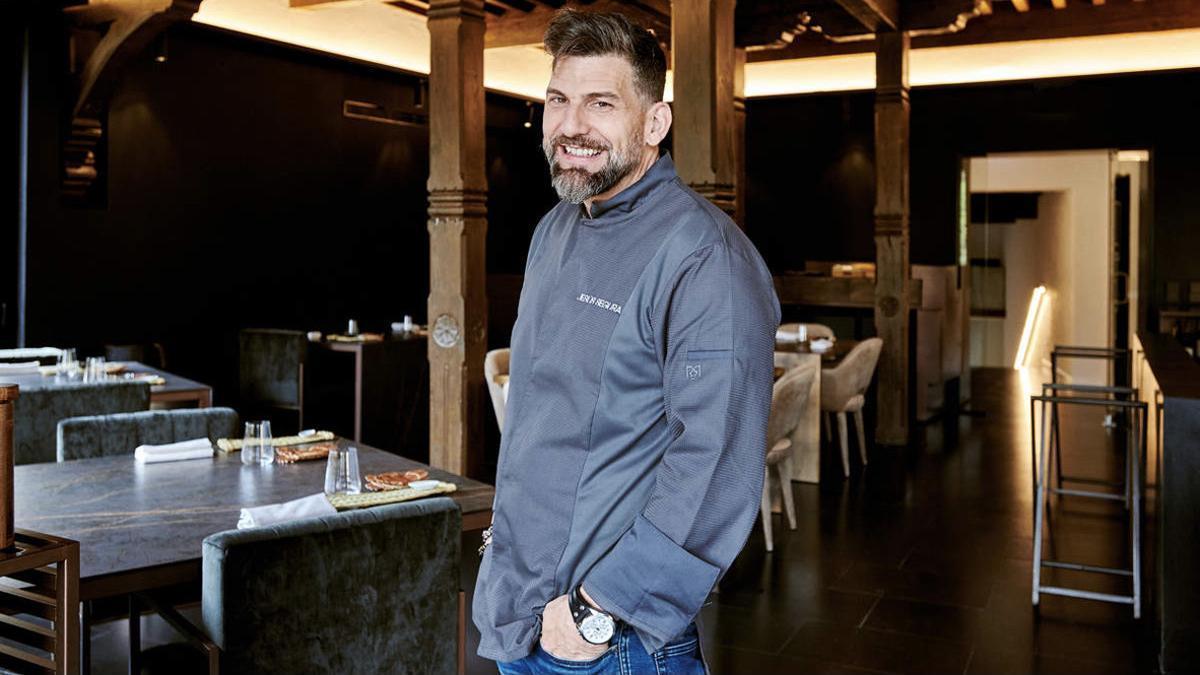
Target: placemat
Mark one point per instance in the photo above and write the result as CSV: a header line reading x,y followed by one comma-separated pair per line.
x,y
341,502
231,444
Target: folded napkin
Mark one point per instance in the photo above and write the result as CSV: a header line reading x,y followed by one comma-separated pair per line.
x,y
171,452
22,368
787,336
821,345
271,514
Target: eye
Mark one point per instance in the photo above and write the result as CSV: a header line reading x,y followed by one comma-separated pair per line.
x,y
556,99
601,105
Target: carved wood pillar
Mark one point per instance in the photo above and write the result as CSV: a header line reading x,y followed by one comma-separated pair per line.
x,y
703,50
891,234
457,234
739,139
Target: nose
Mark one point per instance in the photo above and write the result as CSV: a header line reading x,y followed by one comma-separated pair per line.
x,y
573,122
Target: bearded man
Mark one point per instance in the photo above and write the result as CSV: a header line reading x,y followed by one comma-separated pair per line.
x,y
631,465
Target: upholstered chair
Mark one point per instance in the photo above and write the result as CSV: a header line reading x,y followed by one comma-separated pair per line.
x,y
815,330
152,354
787,413
367,591
106,435
271,372
39,410
843,390
495,364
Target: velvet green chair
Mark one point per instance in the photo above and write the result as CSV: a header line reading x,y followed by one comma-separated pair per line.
x,y
39,410
271,372
119,434
367,591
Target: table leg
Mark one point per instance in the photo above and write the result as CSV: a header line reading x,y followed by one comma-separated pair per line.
x,y
85,637
135,636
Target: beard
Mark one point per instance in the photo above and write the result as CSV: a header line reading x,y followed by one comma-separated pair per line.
x,y
577,185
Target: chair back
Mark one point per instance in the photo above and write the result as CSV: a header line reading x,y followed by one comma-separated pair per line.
x,y
120,434
366,591
852,376
788,400
815,330
271,367
45,356
496,363
152,354
39,410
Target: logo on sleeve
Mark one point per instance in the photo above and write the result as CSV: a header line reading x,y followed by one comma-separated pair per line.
x,y
599,302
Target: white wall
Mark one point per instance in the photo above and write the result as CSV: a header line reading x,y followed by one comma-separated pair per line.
x,y
1067,249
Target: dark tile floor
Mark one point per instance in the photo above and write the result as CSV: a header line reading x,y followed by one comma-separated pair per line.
x,y
918,564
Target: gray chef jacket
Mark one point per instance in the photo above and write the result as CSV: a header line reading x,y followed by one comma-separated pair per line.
x,y
635,434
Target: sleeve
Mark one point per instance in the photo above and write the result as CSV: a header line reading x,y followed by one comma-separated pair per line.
x,y
717,377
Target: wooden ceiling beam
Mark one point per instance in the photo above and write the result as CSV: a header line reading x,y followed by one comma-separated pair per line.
x,y
514,29
874,15
1077,20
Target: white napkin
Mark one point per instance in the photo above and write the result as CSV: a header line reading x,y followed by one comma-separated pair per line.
x,y
271,514
504,390
171,452
787,336
821,345
23,368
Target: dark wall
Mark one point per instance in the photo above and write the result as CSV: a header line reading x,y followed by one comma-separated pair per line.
x,y
239,195
811,167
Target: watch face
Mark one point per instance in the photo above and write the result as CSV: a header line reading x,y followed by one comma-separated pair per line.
x,y
597,629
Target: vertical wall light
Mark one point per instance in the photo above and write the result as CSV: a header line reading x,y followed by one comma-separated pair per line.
x,y
1032,317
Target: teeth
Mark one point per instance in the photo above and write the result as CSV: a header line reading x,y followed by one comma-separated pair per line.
x,y
579,152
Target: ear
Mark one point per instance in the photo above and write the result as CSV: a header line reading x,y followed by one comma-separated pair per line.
x,y
658,123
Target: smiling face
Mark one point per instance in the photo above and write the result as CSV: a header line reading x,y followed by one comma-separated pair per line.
x,y
593,130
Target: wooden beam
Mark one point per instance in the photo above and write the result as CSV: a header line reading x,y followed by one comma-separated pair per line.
x,y
1077,20
1021,5
704,128
457,307
892,300
514,29
874,15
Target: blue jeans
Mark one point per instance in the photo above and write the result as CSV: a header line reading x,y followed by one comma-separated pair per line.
x,y
625,656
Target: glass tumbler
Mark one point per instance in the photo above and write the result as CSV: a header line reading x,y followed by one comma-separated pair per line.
x,y
95,370
256,444
67,363
341,472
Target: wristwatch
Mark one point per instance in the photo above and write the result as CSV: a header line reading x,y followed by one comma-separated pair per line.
x,y
595,626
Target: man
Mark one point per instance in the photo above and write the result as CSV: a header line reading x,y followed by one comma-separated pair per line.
x,y
631,465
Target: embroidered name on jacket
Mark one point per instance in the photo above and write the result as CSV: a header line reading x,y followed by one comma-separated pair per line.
x,y
599,302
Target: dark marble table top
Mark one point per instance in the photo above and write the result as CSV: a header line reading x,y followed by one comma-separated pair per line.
x,y
133,520
174,383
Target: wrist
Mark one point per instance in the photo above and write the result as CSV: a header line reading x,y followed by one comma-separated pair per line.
x,y
588,599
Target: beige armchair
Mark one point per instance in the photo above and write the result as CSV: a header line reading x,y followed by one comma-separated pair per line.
x,y
815,330
787,408
843,390
495,371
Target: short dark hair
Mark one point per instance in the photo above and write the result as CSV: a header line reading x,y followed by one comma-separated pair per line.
x,y
575,33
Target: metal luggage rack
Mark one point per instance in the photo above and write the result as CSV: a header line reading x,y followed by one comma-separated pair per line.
x,y
1121,398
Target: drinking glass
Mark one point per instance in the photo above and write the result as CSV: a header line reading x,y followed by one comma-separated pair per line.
x,y
341,472
95,370
67,363
256,444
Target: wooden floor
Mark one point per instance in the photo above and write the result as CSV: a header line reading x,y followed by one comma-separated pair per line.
x,y
920,564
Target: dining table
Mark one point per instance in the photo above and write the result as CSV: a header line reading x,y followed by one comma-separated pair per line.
x,y
140,526
166,389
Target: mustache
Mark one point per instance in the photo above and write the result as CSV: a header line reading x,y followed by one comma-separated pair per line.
x,y
578,141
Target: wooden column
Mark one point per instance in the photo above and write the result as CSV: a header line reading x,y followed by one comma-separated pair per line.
x,y
703,51
739,138
457,233
891,234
